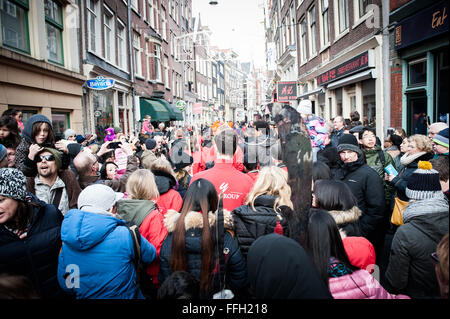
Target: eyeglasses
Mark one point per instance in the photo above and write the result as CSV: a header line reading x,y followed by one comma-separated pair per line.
x,y
434,259
47,158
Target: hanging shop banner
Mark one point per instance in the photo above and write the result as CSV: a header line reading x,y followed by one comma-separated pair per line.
x,y
100,83
426,24
358,63
287,91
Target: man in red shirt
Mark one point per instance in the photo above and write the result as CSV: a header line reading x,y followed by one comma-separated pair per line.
x,y
234,184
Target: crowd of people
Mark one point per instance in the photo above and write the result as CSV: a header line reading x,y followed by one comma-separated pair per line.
x,y
205,212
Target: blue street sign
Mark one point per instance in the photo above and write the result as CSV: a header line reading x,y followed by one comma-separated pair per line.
x,y
100,83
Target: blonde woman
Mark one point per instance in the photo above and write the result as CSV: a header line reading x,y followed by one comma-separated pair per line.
x,y
419,148
140,209
266,208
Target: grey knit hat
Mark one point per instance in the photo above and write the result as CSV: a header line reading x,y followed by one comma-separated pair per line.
x,y
98,198
13,184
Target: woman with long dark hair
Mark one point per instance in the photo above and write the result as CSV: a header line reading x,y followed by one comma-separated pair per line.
x,y
326,250
38,133
191,244
9,132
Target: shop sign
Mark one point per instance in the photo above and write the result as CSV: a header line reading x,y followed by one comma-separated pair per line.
x,y
359,62
421,26
100,83
181,105
287,91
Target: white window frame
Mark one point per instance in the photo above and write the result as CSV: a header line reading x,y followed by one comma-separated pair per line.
x,y
324,44
166,71
302,42
94,13
122,46
337,21
312,27
156,56
137,53
164,23
110,54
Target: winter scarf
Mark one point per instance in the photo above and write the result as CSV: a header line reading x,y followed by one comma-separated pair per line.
x,y
336,268
408,159
437,204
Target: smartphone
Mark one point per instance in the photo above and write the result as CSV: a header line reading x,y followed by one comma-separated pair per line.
x,y
114,145
391,170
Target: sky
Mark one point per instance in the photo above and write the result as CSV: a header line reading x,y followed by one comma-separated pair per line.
x,y
237,25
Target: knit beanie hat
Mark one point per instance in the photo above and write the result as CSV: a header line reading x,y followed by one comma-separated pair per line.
x,y
441,138
69,132
424,182
348,142
13,184
55,153
3,152
98,198
150,144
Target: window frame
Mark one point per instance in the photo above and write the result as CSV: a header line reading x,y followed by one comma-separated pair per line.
x,y
312,23
59,26
26,8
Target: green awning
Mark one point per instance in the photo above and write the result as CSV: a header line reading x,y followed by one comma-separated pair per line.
x,y
175,113
155,109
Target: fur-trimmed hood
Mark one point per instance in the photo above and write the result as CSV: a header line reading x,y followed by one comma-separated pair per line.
x,y
195,220
346,216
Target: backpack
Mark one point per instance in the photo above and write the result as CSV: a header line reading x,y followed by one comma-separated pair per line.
x,y
143,281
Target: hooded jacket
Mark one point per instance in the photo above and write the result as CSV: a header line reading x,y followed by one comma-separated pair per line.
x,y
145,215
347,221
22,162
102,249
235,270
169,198
410,270
250,224
36,256
374,161
279,268
368,189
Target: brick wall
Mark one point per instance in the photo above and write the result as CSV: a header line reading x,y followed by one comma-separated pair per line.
x,y
395,4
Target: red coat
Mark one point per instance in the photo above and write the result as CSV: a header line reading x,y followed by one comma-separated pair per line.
x,y
170,200
253,175
224,176
208,154
360,252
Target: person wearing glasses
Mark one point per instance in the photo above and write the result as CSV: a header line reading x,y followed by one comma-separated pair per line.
x,y
52,184
425,219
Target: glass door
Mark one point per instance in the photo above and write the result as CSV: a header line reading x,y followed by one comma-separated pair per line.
x,y
417,113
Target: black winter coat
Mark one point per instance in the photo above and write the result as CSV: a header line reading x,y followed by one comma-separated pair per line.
x,y
35,256
367,186
235,266
249,225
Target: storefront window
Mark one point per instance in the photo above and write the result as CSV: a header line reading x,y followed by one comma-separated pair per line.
x,y
102,102
369,106
417,72
60,122
441,85
339,101
417,113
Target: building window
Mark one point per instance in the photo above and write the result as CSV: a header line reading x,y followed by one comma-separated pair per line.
x,y
325,22
155,13
363,4
137,53
417,72
109,35
134,5
94,32
166,71
312,30
302,32
342,15
121,46
163,24
157,61
54,29
60,123
14,22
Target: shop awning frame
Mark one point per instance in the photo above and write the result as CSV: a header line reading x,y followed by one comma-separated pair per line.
x,y
358,77
320,89
155,109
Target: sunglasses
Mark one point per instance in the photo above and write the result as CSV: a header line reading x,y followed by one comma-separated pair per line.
x,y
47,158
434,259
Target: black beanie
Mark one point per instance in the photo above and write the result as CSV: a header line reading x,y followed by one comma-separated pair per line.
x,y
348,142
150,144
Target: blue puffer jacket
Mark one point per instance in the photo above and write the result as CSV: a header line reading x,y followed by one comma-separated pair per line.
x,y
100,248
236,269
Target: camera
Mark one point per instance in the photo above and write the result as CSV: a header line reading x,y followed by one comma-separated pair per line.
x,y
114,145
